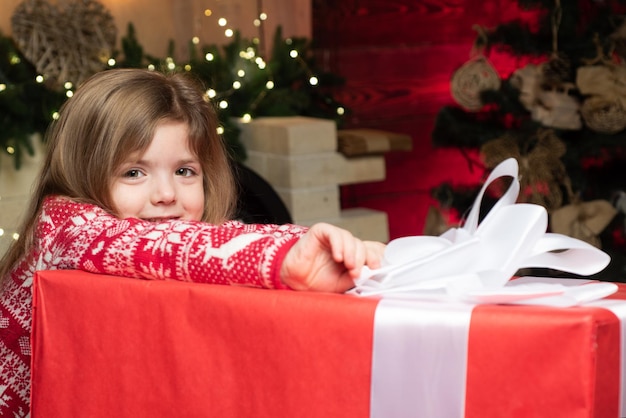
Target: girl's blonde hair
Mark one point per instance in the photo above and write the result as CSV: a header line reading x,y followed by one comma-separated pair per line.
x,y
111,115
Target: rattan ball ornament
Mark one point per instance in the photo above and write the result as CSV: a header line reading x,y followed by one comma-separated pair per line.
x,y
66,42
472,78
603,115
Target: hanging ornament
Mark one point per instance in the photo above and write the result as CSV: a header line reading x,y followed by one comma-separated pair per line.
x,y
473,77
556,107
583,220
67,42
602,78
603,115
542,173
545,92
603,83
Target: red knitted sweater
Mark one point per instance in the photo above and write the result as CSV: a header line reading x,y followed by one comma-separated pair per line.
x,y
72,235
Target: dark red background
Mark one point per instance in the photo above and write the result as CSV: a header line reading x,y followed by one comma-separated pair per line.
x,y
397,57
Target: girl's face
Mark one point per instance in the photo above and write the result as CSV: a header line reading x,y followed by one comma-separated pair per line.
x,y
165,182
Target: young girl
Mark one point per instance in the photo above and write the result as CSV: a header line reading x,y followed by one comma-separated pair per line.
x,y
137,183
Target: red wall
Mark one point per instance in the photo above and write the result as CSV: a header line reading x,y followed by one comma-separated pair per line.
x,y
397,57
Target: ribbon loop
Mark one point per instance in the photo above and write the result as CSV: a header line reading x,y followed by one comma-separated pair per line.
x,y
484,256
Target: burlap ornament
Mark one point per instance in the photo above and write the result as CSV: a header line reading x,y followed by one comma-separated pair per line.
x,y
542,174
549,102
583,220
603,115
604,84
606,80
66,42
472,78
557,108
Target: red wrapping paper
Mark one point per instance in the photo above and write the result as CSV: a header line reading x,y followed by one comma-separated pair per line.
x,y
116,347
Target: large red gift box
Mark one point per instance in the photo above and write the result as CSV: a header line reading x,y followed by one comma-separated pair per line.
x,y
116,347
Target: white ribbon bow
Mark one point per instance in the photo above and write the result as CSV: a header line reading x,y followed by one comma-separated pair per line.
x,y
474,263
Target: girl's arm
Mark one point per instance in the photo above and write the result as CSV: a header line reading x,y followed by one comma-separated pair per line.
x,y
81,236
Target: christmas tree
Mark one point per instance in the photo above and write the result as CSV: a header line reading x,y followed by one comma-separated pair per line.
x,y
243,84
561,113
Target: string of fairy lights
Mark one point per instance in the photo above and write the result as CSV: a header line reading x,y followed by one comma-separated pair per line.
x,y
249,54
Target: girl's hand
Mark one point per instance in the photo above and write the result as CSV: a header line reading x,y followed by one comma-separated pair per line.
x,y
328,259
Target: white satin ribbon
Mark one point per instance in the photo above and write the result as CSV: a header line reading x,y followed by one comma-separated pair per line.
x,y
476,262
419,359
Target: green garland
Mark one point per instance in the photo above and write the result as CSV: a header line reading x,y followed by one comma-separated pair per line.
x,y
27,106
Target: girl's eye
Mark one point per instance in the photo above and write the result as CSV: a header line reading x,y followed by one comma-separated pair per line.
x,y
133,173
185,172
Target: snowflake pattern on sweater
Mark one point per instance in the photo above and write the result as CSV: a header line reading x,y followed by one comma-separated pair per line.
x,y
71,235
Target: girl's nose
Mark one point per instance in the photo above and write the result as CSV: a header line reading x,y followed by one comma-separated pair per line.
x,y
164,192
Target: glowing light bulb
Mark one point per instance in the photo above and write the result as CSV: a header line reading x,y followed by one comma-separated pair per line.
x,y
293,53
223,104
241,73
208,12
341,110
3,87
187,67
67,85
209,56
220,130
16,236
195,40
313,81
111,62
236,85
211,93
246,118
256,22
263,16
39,78
1,232
229,33
269,85
69,93
222,22
11,150
56,115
